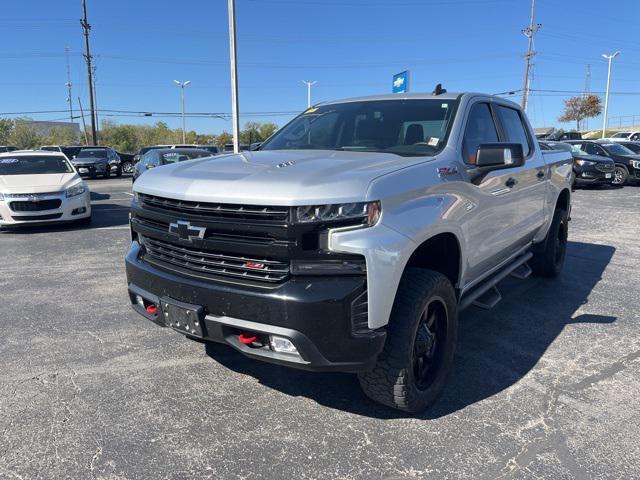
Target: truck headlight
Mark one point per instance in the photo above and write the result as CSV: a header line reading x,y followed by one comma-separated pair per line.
x,y
584,163
76,190
367,212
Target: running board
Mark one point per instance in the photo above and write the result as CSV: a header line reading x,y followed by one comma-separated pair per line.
x,y
518,268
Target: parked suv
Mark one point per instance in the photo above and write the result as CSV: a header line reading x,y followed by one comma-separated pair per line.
x,y
625,137
96,161
351,239
587,169
627,163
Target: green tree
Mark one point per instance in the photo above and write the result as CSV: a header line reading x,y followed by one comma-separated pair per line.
x,y
24,135
60,136
224,138
6,126
266,130
579,108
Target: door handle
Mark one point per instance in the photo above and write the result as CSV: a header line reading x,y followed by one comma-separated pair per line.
x,y
540,174
511,182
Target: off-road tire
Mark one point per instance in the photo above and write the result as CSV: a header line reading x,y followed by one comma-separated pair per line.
x,y
392,381
548,255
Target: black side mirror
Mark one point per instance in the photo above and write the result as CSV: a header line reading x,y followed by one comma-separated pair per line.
x,y
255,146
494,156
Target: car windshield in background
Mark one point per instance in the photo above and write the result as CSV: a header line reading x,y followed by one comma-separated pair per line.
x,y
402,127
33,165
621,135
576,150
618,149
178,156
93,153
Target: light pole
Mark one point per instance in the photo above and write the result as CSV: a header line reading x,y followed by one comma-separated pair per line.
x,y
309,84
606,97
182,85
233,64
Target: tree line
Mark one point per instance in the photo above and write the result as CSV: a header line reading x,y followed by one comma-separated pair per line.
x,y
125,137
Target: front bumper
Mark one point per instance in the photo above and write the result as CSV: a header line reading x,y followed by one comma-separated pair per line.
x,y
91,169
67,212
314,313
592,176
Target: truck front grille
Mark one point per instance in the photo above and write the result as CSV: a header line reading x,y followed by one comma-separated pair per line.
x,y
35,206
216,210
201,262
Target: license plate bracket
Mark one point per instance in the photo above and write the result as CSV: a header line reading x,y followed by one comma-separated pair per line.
x,y
182,317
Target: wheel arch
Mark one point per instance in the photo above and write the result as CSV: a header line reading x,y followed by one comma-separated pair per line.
x,y
442,253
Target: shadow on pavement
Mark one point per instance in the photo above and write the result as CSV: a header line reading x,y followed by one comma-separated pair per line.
x,y
496,348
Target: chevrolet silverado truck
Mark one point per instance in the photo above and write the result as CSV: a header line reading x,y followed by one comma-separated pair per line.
x,y
350,240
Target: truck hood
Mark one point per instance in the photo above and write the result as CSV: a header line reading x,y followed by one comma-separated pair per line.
x,y
275,177
44,183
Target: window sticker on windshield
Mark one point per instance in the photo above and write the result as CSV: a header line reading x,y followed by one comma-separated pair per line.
x,y
433,141
444,105
8,160
310,110
171,154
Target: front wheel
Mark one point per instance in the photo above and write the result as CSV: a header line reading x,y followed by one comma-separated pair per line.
x,y
127,167
421,340
620,175
548,256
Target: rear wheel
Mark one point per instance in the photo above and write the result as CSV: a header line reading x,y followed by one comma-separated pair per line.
x,y
548,256
127,167
421,339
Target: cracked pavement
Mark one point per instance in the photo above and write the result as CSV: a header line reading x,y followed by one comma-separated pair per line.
x,y
546,385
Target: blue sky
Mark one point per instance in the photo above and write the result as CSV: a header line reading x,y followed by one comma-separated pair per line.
x,y
350,47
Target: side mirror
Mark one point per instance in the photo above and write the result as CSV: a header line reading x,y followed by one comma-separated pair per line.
x,y
255,146
494,156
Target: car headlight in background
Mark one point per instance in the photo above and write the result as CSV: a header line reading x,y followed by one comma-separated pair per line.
x,y
584,163
635,163
367,212
76,190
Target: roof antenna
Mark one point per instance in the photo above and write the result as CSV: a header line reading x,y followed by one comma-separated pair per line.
x,y
439,90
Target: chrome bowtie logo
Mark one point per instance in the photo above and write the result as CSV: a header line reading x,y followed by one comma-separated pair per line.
x,y
186,231
33,198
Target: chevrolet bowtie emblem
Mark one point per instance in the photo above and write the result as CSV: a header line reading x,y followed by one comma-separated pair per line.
x,y
186,231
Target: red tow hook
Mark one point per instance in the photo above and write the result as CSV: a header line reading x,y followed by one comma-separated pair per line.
x,y
152,309
247,338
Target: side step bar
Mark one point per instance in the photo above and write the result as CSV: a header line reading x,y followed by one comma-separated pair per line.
x,y
518,268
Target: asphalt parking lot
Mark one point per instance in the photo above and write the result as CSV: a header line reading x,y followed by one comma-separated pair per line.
x,y
546,385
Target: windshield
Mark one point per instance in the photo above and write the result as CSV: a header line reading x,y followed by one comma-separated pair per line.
x,y
621,135
402,127
34,165
178,156
92,153
577,150
618,149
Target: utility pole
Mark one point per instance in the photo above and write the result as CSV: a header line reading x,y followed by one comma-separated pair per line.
x,y
84,124
95,104
309,84
587,91
68,85
87,55
182,85
529,32
606,98
233,57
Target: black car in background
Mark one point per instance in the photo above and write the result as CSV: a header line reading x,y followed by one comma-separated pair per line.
x,y
7,148
156,157
587,169
94,161
71,151
633,146
627,163
126,161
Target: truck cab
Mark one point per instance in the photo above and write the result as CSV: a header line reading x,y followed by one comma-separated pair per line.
x,y
351,238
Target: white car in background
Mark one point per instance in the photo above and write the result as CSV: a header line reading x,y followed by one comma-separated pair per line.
x,y
625,137
39,187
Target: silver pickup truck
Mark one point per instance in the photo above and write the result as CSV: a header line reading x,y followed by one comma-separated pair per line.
x,y
351,238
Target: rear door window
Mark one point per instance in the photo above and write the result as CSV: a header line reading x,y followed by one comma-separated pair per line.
x,y
514,128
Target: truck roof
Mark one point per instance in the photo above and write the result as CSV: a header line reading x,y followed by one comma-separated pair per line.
x,y
414,96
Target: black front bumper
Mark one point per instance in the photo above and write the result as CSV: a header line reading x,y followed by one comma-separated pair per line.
x,y
590,175
314,313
